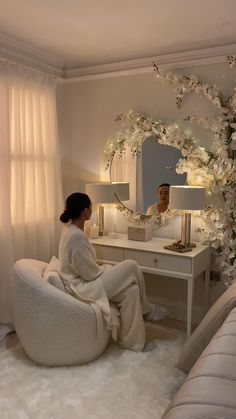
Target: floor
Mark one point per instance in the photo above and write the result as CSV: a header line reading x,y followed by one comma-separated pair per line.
x,y
166,329
173,324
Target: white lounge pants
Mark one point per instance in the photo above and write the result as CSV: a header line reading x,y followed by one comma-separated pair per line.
x,y
125,287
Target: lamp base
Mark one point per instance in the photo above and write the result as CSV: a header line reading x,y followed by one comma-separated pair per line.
x,y
100,217
192,245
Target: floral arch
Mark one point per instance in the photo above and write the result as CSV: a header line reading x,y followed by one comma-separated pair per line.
x,y
214,170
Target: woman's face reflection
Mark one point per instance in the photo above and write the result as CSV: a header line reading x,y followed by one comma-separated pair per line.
x,y
163,195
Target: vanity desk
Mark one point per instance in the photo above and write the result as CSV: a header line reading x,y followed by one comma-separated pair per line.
x,y
153,258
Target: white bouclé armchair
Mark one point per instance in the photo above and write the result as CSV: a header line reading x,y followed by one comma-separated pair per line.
x,y
54,328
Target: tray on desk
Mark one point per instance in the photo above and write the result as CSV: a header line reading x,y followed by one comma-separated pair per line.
x,y
178,249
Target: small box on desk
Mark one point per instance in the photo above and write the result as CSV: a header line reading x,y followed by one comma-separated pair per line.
x,y
142,233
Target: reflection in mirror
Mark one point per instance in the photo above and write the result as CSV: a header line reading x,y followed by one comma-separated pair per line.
x,y
124,169
158,167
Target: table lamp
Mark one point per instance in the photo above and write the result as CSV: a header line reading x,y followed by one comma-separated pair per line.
x,y
106,193
186,199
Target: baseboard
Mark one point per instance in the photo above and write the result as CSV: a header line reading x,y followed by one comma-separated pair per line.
x,y
178,311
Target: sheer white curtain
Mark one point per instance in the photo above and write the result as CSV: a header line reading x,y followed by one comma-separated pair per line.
x,y
30,177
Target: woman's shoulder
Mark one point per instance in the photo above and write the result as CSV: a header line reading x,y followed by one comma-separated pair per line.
x,y
73,234
152,210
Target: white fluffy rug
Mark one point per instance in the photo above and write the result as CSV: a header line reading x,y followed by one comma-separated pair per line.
x,y
120,384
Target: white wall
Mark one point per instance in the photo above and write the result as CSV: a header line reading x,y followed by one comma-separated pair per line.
x,y
87,111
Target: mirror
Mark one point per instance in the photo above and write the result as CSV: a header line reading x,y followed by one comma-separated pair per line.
x,y
158,167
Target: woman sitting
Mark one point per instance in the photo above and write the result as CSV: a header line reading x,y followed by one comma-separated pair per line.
x,y
122,284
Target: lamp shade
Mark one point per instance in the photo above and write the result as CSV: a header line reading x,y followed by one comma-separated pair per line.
x,y
104,193
187,197
121,190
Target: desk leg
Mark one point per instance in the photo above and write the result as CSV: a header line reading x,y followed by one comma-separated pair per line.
x,y
207,288
190,306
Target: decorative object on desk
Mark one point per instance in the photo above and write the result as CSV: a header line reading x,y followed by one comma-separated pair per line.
x,y
142,233
112,232
178,247
94,232
106,193
186,199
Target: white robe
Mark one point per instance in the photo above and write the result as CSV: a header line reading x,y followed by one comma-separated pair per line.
x,y
112,291
81,274
153,209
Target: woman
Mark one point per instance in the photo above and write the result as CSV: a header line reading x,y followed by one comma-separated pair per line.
x,y
122,284
162,200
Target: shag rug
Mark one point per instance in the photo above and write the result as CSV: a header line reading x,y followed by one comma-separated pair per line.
x,y
120,384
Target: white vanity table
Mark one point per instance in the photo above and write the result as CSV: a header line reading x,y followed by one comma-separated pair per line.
x,y
153,258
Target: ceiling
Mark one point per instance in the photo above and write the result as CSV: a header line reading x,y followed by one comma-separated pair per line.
x,y
82,33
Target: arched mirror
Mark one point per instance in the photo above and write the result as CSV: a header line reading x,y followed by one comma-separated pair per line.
x,y
155,165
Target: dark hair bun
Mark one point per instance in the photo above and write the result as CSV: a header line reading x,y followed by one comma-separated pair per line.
x,y
65,217
75,205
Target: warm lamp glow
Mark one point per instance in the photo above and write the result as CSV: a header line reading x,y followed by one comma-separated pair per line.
x,y
187,198
106,193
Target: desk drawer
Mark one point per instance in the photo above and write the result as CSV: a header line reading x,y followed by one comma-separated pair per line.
x,y
107,253
160,261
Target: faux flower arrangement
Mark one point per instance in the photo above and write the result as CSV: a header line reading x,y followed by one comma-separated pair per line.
x,y
215,170
218,174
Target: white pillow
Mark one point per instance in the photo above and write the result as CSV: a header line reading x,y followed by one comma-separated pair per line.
x,y
51,274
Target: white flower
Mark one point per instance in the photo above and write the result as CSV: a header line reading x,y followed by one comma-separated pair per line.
x,y
233,136
216,243
216,102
